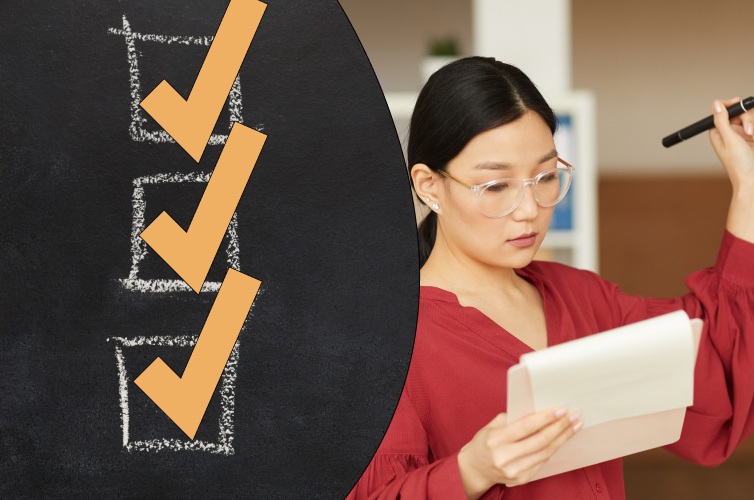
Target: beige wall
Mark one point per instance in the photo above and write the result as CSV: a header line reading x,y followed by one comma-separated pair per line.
x,y
654,66
396,33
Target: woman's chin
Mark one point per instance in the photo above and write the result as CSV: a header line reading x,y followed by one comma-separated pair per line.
x,y
513,260
522,257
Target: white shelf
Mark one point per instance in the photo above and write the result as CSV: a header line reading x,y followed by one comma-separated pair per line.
x,y
557,238
580,107
401,104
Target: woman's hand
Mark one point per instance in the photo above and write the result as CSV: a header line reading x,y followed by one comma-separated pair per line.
x,y
511,454
733,141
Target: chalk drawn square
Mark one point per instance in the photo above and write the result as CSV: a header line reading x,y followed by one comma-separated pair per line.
x,y
140,249
220,420
138,130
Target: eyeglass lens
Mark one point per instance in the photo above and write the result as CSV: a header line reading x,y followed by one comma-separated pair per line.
x,y
502,197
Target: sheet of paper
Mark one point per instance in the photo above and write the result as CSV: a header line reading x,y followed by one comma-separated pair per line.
x,y
635,370
632,386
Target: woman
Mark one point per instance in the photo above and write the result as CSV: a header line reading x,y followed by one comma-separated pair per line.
x,y
484,302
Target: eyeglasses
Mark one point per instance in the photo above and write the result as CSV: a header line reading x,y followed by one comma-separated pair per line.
x,y
500,197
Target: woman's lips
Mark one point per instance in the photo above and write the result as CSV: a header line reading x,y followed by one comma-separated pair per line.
x,y
523,241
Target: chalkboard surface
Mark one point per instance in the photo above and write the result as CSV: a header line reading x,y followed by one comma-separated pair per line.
x,y
326,223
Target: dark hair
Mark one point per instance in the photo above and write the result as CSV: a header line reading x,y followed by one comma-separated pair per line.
x,y
461,100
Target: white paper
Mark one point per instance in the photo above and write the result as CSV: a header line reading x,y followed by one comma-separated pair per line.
x,y
631,386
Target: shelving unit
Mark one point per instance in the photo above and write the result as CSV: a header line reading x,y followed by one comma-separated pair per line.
x,y
575,245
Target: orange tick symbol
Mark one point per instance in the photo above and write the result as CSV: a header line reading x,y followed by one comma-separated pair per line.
x,y
190,253
184,399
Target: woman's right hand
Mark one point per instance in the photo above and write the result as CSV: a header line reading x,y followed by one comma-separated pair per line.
x,y
511,454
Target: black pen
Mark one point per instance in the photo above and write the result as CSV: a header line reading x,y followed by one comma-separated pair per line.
x,y
707,123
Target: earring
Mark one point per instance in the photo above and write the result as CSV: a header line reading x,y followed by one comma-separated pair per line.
x,y
435,206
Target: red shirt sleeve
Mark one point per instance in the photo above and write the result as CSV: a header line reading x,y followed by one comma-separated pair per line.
x,y
402,467
723,296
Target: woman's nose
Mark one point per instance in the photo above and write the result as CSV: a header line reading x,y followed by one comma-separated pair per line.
x,y
527,208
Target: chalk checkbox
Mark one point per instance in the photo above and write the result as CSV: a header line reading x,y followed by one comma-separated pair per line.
x,y
138,130
140,251
142,435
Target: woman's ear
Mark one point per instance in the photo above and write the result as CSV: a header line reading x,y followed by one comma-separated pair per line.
x,y
426,183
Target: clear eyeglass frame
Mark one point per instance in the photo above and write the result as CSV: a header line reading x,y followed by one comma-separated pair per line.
x,y
478,189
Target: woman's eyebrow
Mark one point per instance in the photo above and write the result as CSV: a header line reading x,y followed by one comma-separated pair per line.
x,y
549,156
496,165
493,165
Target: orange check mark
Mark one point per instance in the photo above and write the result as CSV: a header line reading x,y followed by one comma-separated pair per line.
x,y
185,399
190,253
190,122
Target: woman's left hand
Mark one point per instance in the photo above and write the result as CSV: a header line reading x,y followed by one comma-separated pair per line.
x,y
733,140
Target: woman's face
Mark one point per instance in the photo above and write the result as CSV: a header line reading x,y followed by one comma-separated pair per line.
x,y
520,149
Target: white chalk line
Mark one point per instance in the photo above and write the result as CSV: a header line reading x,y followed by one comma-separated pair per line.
x,y
158,445
136,128
123,393
177,341
139,247
174,177
233,250
165,286
224,443
228,401
168,39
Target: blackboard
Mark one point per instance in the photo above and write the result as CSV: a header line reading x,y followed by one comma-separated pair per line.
x,y
326,223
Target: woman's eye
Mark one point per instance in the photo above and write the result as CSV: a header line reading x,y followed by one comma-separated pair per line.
x,y
548,177
496,188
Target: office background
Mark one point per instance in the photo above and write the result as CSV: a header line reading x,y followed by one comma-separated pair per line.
x,y
653,67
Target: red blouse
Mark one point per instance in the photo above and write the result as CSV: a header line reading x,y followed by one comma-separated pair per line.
x,y
457,378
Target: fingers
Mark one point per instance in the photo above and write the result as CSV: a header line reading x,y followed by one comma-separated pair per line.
x,y
741,125
533,423
731,138
550,438
747,122
502,453
530,464
722,122
733,141
520,461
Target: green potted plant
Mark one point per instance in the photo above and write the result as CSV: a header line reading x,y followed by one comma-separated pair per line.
x,y
440,52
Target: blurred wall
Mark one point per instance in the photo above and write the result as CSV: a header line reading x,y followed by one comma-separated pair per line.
x,y
655,66
396,34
